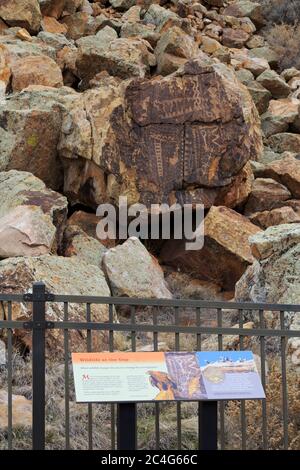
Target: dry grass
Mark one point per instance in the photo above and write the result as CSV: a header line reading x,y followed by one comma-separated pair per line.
x,y
282,30
274,415
285,39
281,11
55,424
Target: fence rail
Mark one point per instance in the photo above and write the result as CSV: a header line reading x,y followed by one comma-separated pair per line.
x,y
186,322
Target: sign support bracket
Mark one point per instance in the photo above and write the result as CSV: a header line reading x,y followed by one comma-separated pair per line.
x,y
208,425
126,426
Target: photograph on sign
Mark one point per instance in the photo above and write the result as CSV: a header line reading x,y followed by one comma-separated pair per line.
x,y
171,376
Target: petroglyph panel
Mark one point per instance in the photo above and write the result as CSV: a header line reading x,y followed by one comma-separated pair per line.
x,y
205,196
181,99
159,159
212,153
201,119
183,137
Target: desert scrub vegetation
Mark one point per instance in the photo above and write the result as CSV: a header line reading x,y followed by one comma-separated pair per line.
x,y
282,30
285,39
281,11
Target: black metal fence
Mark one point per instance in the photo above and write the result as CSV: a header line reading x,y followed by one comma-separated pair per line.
x,y
181,325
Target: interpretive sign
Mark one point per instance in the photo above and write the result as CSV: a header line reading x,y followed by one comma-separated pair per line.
x,y
150,376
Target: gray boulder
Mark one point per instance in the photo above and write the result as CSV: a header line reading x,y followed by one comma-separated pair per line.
x,y
133,272
69,276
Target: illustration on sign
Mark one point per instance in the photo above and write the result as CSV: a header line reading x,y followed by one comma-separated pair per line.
x,y
151,376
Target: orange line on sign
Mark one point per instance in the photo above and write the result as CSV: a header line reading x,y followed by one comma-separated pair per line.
x,y
125,357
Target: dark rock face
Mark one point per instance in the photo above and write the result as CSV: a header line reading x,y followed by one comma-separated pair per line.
x,y
188,130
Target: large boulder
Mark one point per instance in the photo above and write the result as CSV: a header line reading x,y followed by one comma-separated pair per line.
x,y
150,140
280,114
87,223
26,231
156,140
173,49
23,13
234,38
277,216
35,70
246,8
56,8
266,53
77,243
30,215
132,272
122,57
285,142
35,60
81,24
21,188
260,95
69,276
237,193
194,114
161,17
53,8
2,353
30,129
226,252
274,83
51,25
265,195
141,30
275,276
277,252
286,171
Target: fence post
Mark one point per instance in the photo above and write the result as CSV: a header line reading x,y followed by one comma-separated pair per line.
x,y
38,365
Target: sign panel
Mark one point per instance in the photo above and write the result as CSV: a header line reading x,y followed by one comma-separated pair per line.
x,y
150,376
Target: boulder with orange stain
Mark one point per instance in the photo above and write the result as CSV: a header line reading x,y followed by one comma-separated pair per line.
x,y
35,70
226,252
51,25
23,13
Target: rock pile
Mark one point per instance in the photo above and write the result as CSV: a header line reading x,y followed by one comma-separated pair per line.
x,y
161,102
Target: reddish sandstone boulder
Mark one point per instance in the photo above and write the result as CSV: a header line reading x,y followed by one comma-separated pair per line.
x,y
226,252
265,195
286,171
23,13
35,70
234,37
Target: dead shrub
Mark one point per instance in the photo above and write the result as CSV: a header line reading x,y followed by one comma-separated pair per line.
x,y
281,11
285,39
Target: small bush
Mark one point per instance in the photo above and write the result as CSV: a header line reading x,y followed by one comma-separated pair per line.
x,y
281,11
285,39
